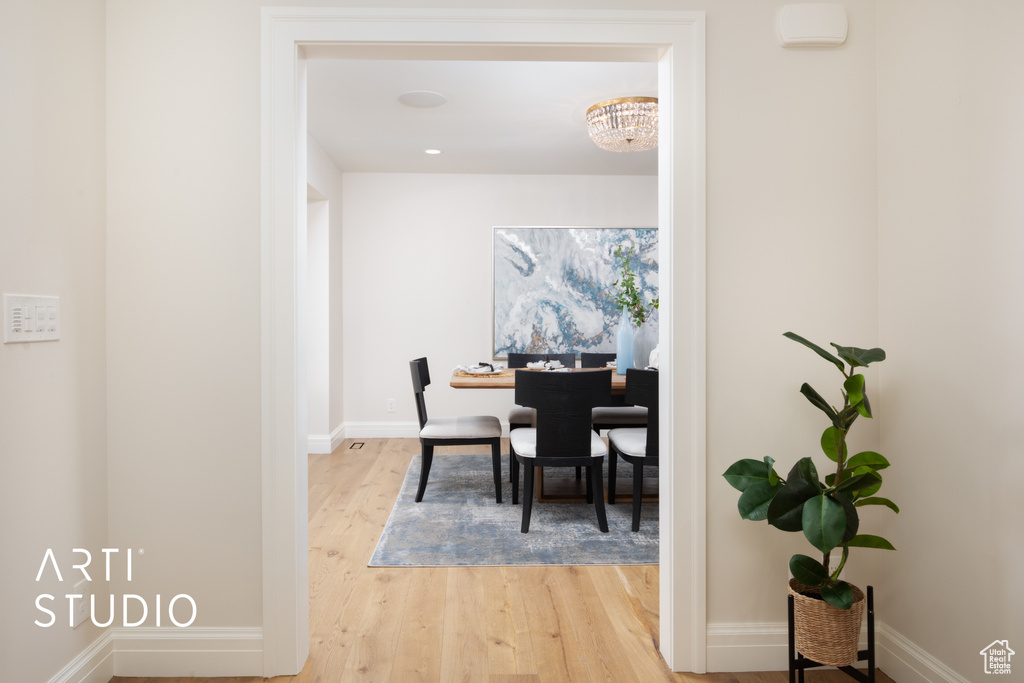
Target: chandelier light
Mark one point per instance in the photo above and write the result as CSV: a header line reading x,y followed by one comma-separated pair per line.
x,y
625,124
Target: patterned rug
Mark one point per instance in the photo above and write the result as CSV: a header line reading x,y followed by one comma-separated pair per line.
x,y
459,524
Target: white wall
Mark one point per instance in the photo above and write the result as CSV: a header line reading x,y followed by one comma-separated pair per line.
x,y
792,245
951,224
318,317
325,176
418,277
183,300
53,489
791,215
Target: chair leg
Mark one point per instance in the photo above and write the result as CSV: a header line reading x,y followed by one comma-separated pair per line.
x,y
598,492
613,457
590,485
426,457
579,472
527,496
514,467
496,463
638,490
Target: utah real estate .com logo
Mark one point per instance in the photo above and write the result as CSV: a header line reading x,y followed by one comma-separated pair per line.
x,y
997,657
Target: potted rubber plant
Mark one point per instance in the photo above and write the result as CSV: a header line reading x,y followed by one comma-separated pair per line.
x,y
826,512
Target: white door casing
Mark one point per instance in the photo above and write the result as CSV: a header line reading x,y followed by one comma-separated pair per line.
x,y
676,41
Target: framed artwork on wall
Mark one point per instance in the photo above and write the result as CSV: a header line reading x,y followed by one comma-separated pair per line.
x,y
553,287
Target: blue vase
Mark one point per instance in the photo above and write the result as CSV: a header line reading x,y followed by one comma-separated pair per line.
x,y
624,344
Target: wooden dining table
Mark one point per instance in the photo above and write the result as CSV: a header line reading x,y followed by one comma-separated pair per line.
x,y
506,379
564,490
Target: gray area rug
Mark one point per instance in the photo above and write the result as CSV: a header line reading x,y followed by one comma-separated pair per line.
x,y
459,524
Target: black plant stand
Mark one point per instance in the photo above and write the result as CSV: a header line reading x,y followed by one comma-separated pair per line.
x,y
797,662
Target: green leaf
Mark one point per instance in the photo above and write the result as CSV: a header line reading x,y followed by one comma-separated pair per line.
x,y
859,482
859,358
878,500
838,594
869,490
868,541
852,518
745,473
786,510
808,570
754,501
854,386
805,471
818,402
864,407
824,522
773,478
870,459
817,349
831,441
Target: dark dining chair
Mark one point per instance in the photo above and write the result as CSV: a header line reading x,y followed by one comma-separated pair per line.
x,y
562,437
523,417
637,446
451,431
617,414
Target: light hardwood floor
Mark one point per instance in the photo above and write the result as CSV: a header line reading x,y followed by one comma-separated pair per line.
x,y
472,624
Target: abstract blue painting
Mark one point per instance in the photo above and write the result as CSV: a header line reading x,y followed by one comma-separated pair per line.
x,y
553,287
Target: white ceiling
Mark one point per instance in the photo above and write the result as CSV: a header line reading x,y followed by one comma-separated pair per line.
x,y
522,117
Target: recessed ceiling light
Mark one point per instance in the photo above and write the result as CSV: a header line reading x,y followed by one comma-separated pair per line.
x,y
432,151
423,99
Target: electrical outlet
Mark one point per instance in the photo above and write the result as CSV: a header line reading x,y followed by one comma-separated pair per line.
x,y
81,606
391,405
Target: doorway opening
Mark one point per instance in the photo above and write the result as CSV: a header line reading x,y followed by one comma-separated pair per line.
x,y
675,40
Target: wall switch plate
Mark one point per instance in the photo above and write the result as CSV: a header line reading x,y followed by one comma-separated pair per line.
x,y
31,318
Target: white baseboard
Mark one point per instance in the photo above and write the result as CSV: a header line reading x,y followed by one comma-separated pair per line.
x,y
323,444
95,664
382,430
905,662
173,652
765,647
747,647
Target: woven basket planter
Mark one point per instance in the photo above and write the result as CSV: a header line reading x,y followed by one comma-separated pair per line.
x,y
823,633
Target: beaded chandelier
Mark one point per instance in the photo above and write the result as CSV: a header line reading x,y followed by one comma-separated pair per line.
x,y
625,124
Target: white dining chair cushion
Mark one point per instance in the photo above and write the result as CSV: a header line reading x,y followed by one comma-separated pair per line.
x,y
524,443
623,415
520,415
470,427
630,441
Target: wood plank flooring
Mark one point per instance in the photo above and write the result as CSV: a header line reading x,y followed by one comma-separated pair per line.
x,y
472,624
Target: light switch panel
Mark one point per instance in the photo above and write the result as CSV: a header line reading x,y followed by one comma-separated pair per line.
x,y
31,318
